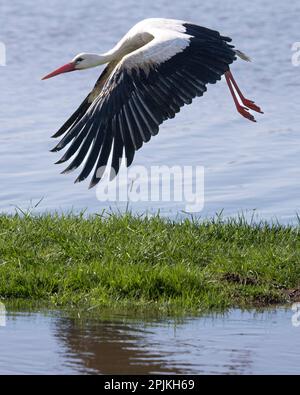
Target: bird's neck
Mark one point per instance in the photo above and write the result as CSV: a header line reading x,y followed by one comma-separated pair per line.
x,y
95,60
113,55
104,58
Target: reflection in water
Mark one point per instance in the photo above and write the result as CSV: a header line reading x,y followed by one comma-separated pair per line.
x,y
235,343
221,344
111,348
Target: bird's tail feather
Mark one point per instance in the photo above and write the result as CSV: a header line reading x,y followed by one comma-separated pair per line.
x,y
242,55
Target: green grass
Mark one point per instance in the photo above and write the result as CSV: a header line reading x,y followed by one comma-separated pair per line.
x,y
130,262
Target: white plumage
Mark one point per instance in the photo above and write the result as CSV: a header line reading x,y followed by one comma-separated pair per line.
x,y
156,68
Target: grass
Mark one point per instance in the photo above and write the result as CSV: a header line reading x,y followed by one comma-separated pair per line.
x,y
131,262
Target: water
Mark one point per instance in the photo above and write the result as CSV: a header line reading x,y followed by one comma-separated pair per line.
x,y
247,166
236,343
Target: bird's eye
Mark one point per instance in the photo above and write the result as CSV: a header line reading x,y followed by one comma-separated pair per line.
x,y
79,60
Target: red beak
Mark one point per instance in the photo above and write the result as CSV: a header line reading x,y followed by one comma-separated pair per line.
x,y
63,69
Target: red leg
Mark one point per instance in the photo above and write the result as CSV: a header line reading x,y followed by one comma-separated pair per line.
x,y
248,103
244,111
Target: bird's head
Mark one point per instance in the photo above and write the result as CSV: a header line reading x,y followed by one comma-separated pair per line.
x,y
81,61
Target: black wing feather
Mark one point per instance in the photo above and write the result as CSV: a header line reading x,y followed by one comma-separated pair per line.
x,y
126,107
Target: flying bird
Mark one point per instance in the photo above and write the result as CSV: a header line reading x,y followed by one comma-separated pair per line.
x,y
156,68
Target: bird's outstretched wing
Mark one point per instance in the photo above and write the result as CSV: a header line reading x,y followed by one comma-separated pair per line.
x,y
145,88
82,109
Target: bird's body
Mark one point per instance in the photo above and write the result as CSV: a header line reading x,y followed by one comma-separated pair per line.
x,y
156,68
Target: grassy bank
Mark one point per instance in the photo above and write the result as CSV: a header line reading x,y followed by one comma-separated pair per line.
x,y
125,261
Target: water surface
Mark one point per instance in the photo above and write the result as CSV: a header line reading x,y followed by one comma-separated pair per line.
x,y
247,166
234,343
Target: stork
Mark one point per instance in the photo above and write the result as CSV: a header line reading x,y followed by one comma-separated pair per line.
x,y
156,68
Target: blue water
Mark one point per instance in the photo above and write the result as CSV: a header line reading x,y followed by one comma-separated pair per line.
x,y
236,343
247,166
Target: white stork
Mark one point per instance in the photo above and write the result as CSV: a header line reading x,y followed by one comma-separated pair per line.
x,y
156,68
